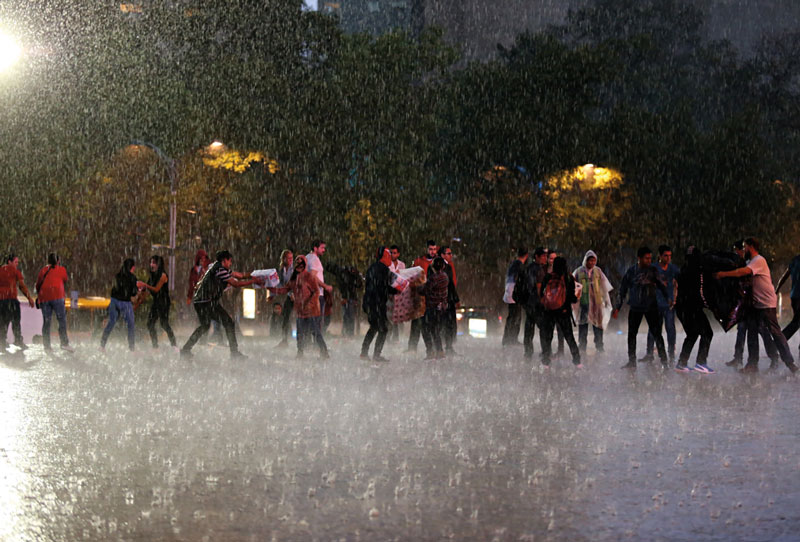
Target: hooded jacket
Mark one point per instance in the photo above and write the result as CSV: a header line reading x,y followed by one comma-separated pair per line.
x,y
305,288
594,291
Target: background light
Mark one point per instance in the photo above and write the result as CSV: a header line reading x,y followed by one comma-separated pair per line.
x,y
10,51
249,303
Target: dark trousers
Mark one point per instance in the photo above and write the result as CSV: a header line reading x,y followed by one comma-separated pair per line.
x,y
792,326
563,321
349,312
513,321
583,332
695,324
207,312
741,340
653,317
10,314
767,318
286,323
531,320
668,322
449,328
432,332
413,336
378,325
310,327
160,314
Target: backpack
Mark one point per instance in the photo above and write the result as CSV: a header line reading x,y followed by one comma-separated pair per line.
x,y
555,293
521,294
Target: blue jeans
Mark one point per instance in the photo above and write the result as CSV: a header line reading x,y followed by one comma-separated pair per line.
x,y
48,307
116,309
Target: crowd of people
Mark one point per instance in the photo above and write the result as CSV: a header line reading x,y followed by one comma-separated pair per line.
x,y
539,288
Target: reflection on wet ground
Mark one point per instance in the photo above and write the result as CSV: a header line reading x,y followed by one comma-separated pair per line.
x,y
484,446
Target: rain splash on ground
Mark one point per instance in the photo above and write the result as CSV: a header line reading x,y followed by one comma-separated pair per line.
x,y
483,446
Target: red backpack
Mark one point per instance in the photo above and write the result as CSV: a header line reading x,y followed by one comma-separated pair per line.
x,y
555,293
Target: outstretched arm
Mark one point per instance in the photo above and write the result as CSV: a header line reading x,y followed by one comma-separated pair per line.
x,y
782,280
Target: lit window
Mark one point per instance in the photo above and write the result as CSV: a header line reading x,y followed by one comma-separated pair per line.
x,y
249,303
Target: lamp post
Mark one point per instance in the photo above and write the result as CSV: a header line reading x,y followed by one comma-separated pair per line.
x,y
173,211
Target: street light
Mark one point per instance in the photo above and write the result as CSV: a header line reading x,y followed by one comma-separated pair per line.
x,y
173,211
10,51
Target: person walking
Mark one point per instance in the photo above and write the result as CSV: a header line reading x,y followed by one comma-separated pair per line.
x,y
669,273
158,287
207,304
377,290
449,321
315,267
794,295
557,295
642,281
396,266
50,287
514,273
689,310
122,295
305,288
595,288
10,279
416,325
435,291
285,276
763,312
531,282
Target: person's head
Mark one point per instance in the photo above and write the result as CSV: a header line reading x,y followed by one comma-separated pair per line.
x,y
53,259
751,247
318,247
560,266
383,255
522,253
692,255
551,257
277,309
589,259
287,258
129,265
446,253
645,256
664,254
12,260
201,258
395,252
300,263
438,263
225,258
738,247
157,264
540,255
432,248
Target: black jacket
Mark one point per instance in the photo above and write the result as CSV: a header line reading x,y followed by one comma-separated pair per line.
x,y
124,286
377,289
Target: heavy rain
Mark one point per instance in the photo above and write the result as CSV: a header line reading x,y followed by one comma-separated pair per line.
x,y
207,334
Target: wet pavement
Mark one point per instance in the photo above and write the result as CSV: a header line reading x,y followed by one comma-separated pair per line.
x,y
483,446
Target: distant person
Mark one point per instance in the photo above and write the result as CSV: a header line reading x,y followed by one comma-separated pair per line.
x,y
642,281
763,311
435,291
315,267
285,276
557,295
305,288
207,304
158,287
122,295
377,289
595,288
551,258
50,285
669,273
533,276
424,262
201,264
792,271
449,321
514,273
689,309
396,266
10,279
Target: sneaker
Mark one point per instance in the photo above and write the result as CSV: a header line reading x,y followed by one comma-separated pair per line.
x,y
630,365
22,346
186,354
579,365
430,357
379,358
440,355
67,348
703,368
734,363
365,357
750,368
324,355
792,367
682,368
647,358
282,344
238,355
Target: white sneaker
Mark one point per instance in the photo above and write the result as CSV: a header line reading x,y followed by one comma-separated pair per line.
x,y
67,348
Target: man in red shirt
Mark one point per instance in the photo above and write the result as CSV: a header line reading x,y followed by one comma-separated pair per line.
x,y
10,278
50,287
416,325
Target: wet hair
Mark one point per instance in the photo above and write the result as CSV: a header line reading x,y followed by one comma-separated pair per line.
x,y
380,251
522,251
643,251
52,259
663,248
431,243
127,265
394,247
738,245
560,266
10,257
223,255
284,252
539,251
753,242
442,249
159,265
438,263
316,243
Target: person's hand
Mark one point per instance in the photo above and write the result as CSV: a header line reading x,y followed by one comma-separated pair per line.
x,y
614,313
188,300
718,275
140,284
31,303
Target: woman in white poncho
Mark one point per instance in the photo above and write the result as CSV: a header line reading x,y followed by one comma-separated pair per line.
x,y
593,300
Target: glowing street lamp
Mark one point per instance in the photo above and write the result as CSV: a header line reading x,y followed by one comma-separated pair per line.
x,y
10,52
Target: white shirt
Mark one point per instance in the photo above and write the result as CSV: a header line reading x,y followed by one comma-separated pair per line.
x,y
394,267
315,267
763,292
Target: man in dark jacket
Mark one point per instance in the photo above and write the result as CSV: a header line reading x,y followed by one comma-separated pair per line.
x,y
514,318
449,322
533,275
689,310
376,295
642,281
558,283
